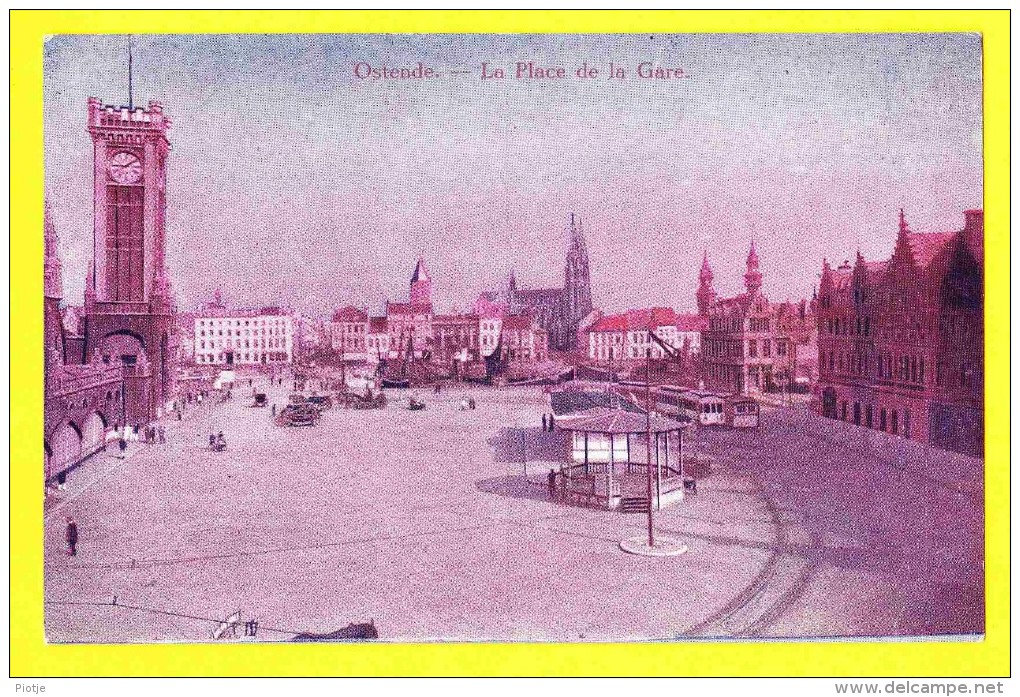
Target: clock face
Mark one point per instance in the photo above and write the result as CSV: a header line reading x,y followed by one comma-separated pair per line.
x,y
125,168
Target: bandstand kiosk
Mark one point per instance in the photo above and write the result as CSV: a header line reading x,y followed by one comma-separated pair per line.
x,y
609,458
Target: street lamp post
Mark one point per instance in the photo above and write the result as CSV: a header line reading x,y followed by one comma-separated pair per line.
x,y
648,437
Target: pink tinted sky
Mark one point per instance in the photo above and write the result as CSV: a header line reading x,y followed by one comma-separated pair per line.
x,y
292,181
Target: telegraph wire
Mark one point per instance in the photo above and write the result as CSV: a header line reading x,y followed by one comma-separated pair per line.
x,y
167,613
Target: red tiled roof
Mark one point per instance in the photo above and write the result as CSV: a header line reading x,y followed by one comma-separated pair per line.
x,y
611,323
349,314
650,318
925,246
408,308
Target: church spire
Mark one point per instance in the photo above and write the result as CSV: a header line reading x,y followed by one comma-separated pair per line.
x,y
421,284
705,296
705,276
752,278
577,302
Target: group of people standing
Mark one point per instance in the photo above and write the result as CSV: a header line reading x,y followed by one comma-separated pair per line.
x,y
548,423
154,434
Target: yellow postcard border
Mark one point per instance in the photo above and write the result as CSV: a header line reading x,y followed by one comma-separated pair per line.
x,y
31,656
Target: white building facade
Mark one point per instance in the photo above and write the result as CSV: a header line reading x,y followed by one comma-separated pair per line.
x,y
240,337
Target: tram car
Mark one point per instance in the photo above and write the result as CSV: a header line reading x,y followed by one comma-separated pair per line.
x,y
707,408
701,407
742,412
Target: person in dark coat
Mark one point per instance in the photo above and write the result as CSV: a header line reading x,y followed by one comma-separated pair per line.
x,y
123,446
551,478
72,537
545,423
552,423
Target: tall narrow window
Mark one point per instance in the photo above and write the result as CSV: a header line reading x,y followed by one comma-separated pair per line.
x,y
125,253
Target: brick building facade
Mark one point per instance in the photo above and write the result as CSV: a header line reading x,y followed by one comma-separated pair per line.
x,y
901,341
82,402
129,306
750,344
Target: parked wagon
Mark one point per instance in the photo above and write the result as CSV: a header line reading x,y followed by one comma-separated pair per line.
x,y
321,401
298,415
363,400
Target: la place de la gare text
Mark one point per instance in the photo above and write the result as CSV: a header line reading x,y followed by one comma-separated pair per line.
x,y
525,70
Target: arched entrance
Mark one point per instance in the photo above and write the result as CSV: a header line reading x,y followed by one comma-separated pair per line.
x,y
66,445
124,347
93,434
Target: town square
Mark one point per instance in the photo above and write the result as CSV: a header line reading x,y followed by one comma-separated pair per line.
x,y
457,542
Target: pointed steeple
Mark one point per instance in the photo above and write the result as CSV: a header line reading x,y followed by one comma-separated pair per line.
x,y
753,277
904,226
421,273
53,282
705,296
421,284
706,276
577,302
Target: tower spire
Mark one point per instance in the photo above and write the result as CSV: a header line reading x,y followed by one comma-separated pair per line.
x,y
752,279
705,294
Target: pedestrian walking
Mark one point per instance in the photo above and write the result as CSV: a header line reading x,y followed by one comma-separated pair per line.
x,y
212,440
162,433
551,478
71,536
552,423
61,481
274,410
545,423
123,446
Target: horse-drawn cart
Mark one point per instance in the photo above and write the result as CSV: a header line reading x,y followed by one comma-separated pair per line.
x,y
303,414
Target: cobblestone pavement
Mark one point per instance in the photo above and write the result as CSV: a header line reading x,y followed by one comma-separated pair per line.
x,y
430,525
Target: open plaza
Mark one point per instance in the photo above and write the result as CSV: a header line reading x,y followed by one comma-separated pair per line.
x,y
437,525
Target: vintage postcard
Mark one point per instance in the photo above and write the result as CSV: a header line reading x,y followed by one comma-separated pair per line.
x,y
645,337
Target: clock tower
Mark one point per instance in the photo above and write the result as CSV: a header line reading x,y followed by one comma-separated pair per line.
x,y
129,308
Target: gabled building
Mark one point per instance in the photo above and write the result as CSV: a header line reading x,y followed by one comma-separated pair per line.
x,y
901,341
348,332
746,347
625,337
